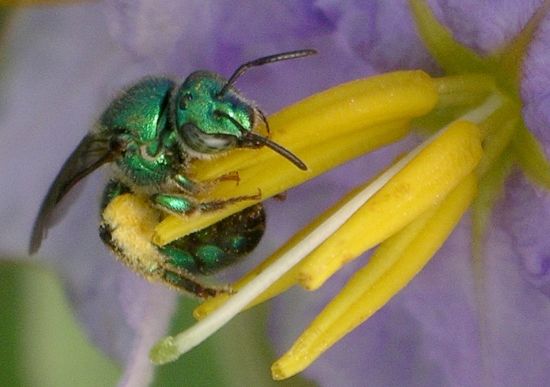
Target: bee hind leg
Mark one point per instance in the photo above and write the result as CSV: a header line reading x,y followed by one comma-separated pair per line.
x,y
189,284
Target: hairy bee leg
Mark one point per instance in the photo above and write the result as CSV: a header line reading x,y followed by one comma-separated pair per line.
x,y
186,282
229,176
153,262
181,205
169,274
177,204
219,204
189,186
186,184
209,250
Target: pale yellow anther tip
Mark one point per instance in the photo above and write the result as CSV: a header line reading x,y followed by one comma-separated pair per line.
x,y
392,267
281,370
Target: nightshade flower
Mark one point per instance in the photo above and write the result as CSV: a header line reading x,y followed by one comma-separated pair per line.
x,y
475,132
410,209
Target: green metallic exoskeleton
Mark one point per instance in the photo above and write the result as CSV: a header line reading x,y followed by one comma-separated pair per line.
x,y
151,133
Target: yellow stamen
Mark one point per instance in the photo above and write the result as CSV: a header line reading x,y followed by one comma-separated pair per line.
x,y
423,183
324,130
464,89
416,184
392,267
349,204
429,175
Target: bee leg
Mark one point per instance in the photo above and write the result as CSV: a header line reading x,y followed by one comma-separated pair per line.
x,y
113,189
219,204
181,266
178,204
186,185
185,282
191,187
219,245
229,176
126,231
181,205
173,276
211,249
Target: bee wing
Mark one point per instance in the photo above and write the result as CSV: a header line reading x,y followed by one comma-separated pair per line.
x,y
92,152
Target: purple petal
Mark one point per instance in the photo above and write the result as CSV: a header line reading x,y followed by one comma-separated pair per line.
x,y
430,333
180,37
536,85
485,26
520,336
148,309
422,336
193,34
383,33
526,217
61,73
380,33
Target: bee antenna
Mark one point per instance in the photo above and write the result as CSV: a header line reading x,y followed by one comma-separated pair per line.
x,y
264,120
256,140
261,61
253,140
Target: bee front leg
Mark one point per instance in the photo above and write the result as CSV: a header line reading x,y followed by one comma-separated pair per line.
x,y
219,204
177,204
187,185
181,205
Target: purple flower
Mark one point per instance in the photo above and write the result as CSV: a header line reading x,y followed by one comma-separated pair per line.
x,y
461,321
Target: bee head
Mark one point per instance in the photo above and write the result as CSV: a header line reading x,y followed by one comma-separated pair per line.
x,y
209,122
211,116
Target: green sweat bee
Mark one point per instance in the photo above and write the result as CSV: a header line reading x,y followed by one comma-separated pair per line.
x,y
150,134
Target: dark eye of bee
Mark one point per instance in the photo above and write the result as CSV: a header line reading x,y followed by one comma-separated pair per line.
x,y
184,100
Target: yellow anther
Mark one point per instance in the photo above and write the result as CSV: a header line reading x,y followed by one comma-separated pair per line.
x,y
422,184
391,268
324,130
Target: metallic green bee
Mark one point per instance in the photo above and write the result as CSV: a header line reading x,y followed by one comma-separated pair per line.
x,y
150,133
